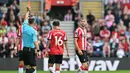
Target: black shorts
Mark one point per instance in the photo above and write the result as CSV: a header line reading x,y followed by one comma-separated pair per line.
x,y
55,59
83,58
29,56
20,55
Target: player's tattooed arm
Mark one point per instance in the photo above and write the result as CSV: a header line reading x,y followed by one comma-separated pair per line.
x,y
47,46
77,46
66,46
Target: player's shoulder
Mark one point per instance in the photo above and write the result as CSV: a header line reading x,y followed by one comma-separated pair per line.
x,y
78,29
33,30
51,31
63,31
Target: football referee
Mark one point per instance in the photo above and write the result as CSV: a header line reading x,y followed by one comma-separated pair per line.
x,y
30,44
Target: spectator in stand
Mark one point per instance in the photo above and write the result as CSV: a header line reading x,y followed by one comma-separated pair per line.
x,y
106,49
45,16
117,8
126,20
109,19
108,7
4,9
3,51
89,33
11,27
96,28
0,15
3,25
90,47
37,18
68,16
120,51
118,17
97,47
12,33
12,16
16,8
45,26
3,42
105,33
10,46
113,27
12,13
115,33
122,27
90,18
129,25
127,34
114,42
125,47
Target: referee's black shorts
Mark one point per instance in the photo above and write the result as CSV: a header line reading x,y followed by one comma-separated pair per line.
x,y
83,58
29,56
55,59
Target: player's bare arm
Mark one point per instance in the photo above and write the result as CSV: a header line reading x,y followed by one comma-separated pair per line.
x,y
47,46
27,14
77,46
37,48
66,46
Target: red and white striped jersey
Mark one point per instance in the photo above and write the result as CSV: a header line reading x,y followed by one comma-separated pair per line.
x,y
80,33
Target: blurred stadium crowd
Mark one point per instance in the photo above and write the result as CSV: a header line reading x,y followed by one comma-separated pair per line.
x,y
110,37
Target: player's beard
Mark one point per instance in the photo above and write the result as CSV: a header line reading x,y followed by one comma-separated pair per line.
x,y
82,25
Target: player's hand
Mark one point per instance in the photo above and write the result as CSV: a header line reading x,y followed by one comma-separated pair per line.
x,y
68,54
38,53
28,9
80,52
46,54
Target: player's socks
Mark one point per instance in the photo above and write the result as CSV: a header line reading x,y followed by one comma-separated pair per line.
x,y
85,70
35,71
51,69
57,70
80,69
20,68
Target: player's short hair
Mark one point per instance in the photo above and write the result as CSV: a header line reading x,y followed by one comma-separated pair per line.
x,y
56,23
31,19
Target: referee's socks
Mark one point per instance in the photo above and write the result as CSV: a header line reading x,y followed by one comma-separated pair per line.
x,y
31,70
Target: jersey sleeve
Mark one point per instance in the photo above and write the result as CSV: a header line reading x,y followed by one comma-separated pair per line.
x,y
25,22
76,33
49,36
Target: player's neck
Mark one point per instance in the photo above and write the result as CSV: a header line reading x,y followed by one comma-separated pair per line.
x,y
56,28
31,25
82,27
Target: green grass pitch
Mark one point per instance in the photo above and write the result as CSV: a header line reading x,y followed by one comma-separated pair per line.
x,y
121,71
